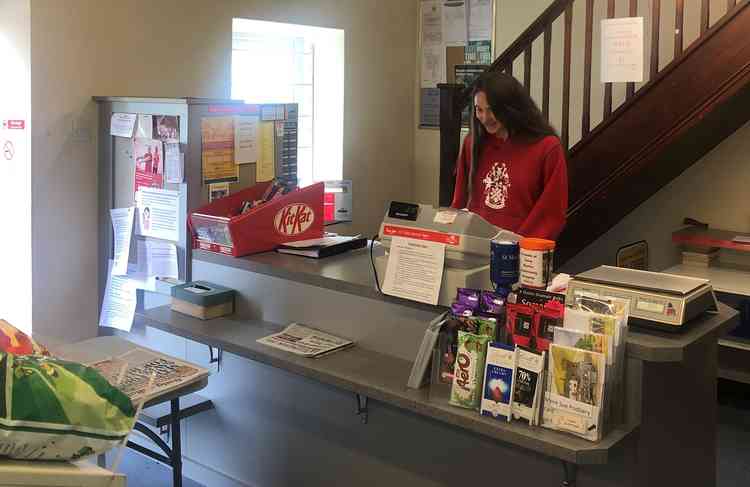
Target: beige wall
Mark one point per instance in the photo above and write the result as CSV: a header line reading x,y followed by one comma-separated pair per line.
x,y
711,190
174,48
15,173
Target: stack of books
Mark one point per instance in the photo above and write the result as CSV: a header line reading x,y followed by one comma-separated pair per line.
x,y
703,258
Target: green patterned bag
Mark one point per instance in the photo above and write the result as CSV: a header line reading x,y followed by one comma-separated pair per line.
x,y
52,409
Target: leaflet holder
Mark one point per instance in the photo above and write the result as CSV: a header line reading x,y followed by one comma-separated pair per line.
x,y
220,227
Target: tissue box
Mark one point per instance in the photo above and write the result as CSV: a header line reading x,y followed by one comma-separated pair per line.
x,y
203,300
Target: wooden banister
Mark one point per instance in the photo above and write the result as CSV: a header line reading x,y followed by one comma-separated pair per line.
x,y
565,130
679,26
546,67
527,69
705,15
587,177
608,86
586,116
655,18
630,87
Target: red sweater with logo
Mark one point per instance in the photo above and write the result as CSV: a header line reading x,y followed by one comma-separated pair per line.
x,y
519,186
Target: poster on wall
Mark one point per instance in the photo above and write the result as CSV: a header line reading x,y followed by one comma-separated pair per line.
x,y
149,163
622,50
433,50
454,23
166,128
217,150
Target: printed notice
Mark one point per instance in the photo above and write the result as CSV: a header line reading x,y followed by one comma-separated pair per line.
x,y
454,23
265,170
480,20
415,269
217,155
122,224
162,259
118,306
622,50
174,163
159,211
245,139
145,126
122,124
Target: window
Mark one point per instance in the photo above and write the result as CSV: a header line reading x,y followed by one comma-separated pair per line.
x,y
285,63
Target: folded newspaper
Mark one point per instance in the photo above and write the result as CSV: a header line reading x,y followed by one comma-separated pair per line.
x,y
130,372
308,342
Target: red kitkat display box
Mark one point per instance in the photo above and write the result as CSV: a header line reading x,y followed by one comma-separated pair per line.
x,y
219,226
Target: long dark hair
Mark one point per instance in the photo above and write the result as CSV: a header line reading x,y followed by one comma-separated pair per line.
x,y
513,107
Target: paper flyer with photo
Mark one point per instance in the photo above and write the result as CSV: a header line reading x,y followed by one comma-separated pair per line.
x,y
218,190
166,128
159,213
217,150
148,155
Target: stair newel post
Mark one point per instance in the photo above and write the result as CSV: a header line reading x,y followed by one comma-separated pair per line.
x,y
451,106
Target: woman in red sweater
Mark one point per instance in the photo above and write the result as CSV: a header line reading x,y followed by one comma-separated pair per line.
x,y
512,169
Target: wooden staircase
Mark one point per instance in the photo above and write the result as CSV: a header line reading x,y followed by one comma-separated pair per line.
x,y
659,130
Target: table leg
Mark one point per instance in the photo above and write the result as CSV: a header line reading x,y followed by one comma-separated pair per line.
x,y
176,443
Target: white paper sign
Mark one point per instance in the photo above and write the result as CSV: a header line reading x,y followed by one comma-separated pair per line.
x,y
174,163
122,124
159,213
432,23
454,23
118,306
145,127
433,66
415,270
245,139
622,50
122,224
138,272
480,20
162,259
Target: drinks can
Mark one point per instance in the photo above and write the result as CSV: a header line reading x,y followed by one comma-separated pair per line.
x,y
503,262
535,262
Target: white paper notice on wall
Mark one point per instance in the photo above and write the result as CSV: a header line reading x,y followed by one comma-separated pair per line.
x,y
622,50
122,124
415,270
159,213
454,23
118,305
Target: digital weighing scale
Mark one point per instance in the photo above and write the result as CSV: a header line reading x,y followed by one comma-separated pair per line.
x,y
664,301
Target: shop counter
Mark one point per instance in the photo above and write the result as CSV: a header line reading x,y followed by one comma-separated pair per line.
x,y
668,436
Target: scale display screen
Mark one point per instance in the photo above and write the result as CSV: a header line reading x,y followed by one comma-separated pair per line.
x,y
649,306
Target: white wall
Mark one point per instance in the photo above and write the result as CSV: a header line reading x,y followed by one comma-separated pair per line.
x,y
174,48
15,164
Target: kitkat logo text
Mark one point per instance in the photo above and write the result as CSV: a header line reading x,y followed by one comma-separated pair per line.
x,y
294,219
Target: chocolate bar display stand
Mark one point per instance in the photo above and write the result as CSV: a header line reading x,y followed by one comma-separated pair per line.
x,y
306,407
